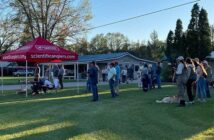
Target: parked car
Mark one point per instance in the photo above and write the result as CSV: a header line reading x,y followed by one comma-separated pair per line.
x,y
22,72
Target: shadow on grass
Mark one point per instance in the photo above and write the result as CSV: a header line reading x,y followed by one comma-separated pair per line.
x,y
134,111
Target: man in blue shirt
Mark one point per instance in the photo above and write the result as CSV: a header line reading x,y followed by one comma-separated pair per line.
x,y
93,80
117,78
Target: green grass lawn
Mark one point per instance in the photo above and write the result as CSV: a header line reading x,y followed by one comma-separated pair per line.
x,y
133,115
10,80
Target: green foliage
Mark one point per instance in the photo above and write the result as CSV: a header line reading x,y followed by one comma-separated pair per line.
x,y
155,47
204,34
178,40
196,41
170,50
167,72
198,34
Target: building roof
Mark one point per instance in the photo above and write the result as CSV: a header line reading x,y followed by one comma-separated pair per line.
x,y
109,56
104,57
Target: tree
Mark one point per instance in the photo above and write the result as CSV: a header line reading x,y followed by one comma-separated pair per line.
x,y
204,34
155,48
212,36
81,46
25,35
8,36
192,33
56,20
116,41
170,51
98,44
179,48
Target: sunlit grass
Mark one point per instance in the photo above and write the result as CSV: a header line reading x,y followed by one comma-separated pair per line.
x,y
133,115
207,134
38,130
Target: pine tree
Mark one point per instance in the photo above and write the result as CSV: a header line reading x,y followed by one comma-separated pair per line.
x,y
204,34
178,38
192,39
169,52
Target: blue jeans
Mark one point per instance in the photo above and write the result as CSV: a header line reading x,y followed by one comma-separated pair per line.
x,y
94,91
112,85
201,88
158,81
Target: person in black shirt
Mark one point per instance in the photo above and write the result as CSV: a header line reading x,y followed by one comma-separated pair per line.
x,y
93,80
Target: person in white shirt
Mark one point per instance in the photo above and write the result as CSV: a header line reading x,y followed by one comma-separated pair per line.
x,y
124,75
179,80
111,79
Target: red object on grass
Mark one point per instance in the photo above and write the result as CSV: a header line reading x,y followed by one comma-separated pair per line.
x,y
39,50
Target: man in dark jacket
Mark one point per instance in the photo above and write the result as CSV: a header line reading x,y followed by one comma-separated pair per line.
x,y
93,80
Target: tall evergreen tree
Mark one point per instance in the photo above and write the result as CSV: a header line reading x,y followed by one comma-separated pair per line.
x,y
212,37
204,34
192,38
178,38
169,52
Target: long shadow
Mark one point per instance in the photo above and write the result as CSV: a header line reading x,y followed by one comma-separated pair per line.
x,y
78,129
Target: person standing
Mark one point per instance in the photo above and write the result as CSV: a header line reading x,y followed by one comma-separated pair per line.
x,y
60,76
55,76
124,74
158,73
117,78
93,80
104,74
201,82
208,78
179,80
191,79
150,75
48,73
37,72
111,79
145,78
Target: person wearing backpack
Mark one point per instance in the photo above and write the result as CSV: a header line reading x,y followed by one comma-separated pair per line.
x,y
191,79
180,81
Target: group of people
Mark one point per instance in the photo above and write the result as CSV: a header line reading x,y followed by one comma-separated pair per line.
x,y
127,73
113,73
52,73
195,77
148,76
113,77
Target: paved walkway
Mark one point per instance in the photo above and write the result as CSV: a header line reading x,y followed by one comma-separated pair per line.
x,y
69,84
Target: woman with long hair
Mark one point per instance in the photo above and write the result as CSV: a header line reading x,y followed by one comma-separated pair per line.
x,y
191,79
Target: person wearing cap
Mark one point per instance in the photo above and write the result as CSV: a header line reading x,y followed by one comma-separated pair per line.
x,y
208,78
93,80
111,79
179,80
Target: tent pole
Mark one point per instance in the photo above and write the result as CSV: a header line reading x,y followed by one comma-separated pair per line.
x,y
26,78
1,79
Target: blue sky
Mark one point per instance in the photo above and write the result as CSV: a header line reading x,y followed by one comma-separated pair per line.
x,y
106,11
